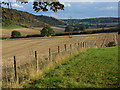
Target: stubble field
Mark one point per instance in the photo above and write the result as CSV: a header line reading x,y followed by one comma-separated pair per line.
x,y
24,49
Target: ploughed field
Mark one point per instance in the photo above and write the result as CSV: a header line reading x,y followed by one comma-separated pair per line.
x,y
24,49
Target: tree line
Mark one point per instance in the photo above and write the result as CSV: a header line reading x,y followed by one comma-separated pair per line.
x,y
48,31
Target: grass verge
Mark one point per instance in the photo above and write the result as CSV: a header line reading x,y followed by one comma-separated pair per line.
x,y
94,68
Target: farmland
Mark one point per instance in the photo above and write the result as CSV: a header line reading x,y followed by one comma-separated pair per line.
x,y
78,51
24,49
6,32
27,31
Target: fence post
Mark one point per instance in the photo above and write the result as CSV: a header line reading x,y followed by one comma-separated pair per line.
x,y
75,44
86,45
78,46
58,50
70,49
65,48
36,60
75,48
49,54
83,44
15,69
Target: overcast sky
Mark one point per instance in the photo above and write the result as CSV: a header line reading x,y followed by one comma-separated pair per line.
x,y
76,9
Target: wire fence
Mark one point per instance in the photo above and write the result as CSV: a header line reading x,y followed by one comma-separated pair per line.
x,y
18,73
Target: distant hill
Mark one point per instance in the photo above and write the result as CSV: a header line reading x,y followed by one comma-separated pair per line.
x,y
14,17
108,21
93,20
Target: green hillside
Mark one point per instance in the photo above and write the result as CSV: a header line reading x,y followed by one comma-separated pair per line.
x,y
12,17
50,20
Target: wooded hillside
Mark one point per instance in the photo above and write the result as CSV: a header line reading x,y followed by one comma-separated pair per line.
x,y
14,17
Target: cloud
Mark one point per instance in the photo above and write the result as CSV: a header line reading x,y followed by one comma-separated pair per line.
x,y
16,5
66,4
109,8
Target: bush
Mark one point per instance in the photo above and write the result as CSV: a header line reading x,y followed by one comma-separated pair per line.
x,y
89,32
110,44
82,27
15,34
47,31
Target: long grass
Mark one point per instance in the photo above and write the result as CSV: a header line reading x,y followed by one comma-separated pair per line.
x,y
94,68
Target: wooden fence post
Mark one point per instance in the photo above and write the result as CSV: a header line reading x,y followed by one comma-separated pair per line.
x,y
15,69
75,47
85,44
78,46
36,60
49,54
81,45
116,41
70,49
65,48
58,50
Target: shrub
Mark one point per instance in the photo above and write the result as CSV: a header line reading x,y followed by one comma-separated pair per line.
x,y
110,44
82,27
15,34
88,32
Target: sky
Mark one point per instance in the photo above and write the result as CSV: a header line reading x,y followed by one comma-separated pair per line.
x,y
76,9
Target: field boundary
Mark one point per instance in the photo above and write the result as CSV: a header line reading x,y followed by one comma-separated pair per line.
x,y
17,74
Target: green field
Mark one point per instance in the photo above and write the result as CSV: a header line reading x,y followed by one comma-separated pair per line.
x,y
93,68
12,27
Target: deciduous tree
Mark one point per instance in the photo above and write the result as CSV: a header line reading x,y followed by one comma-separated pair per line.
x,y
42,5
47,31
